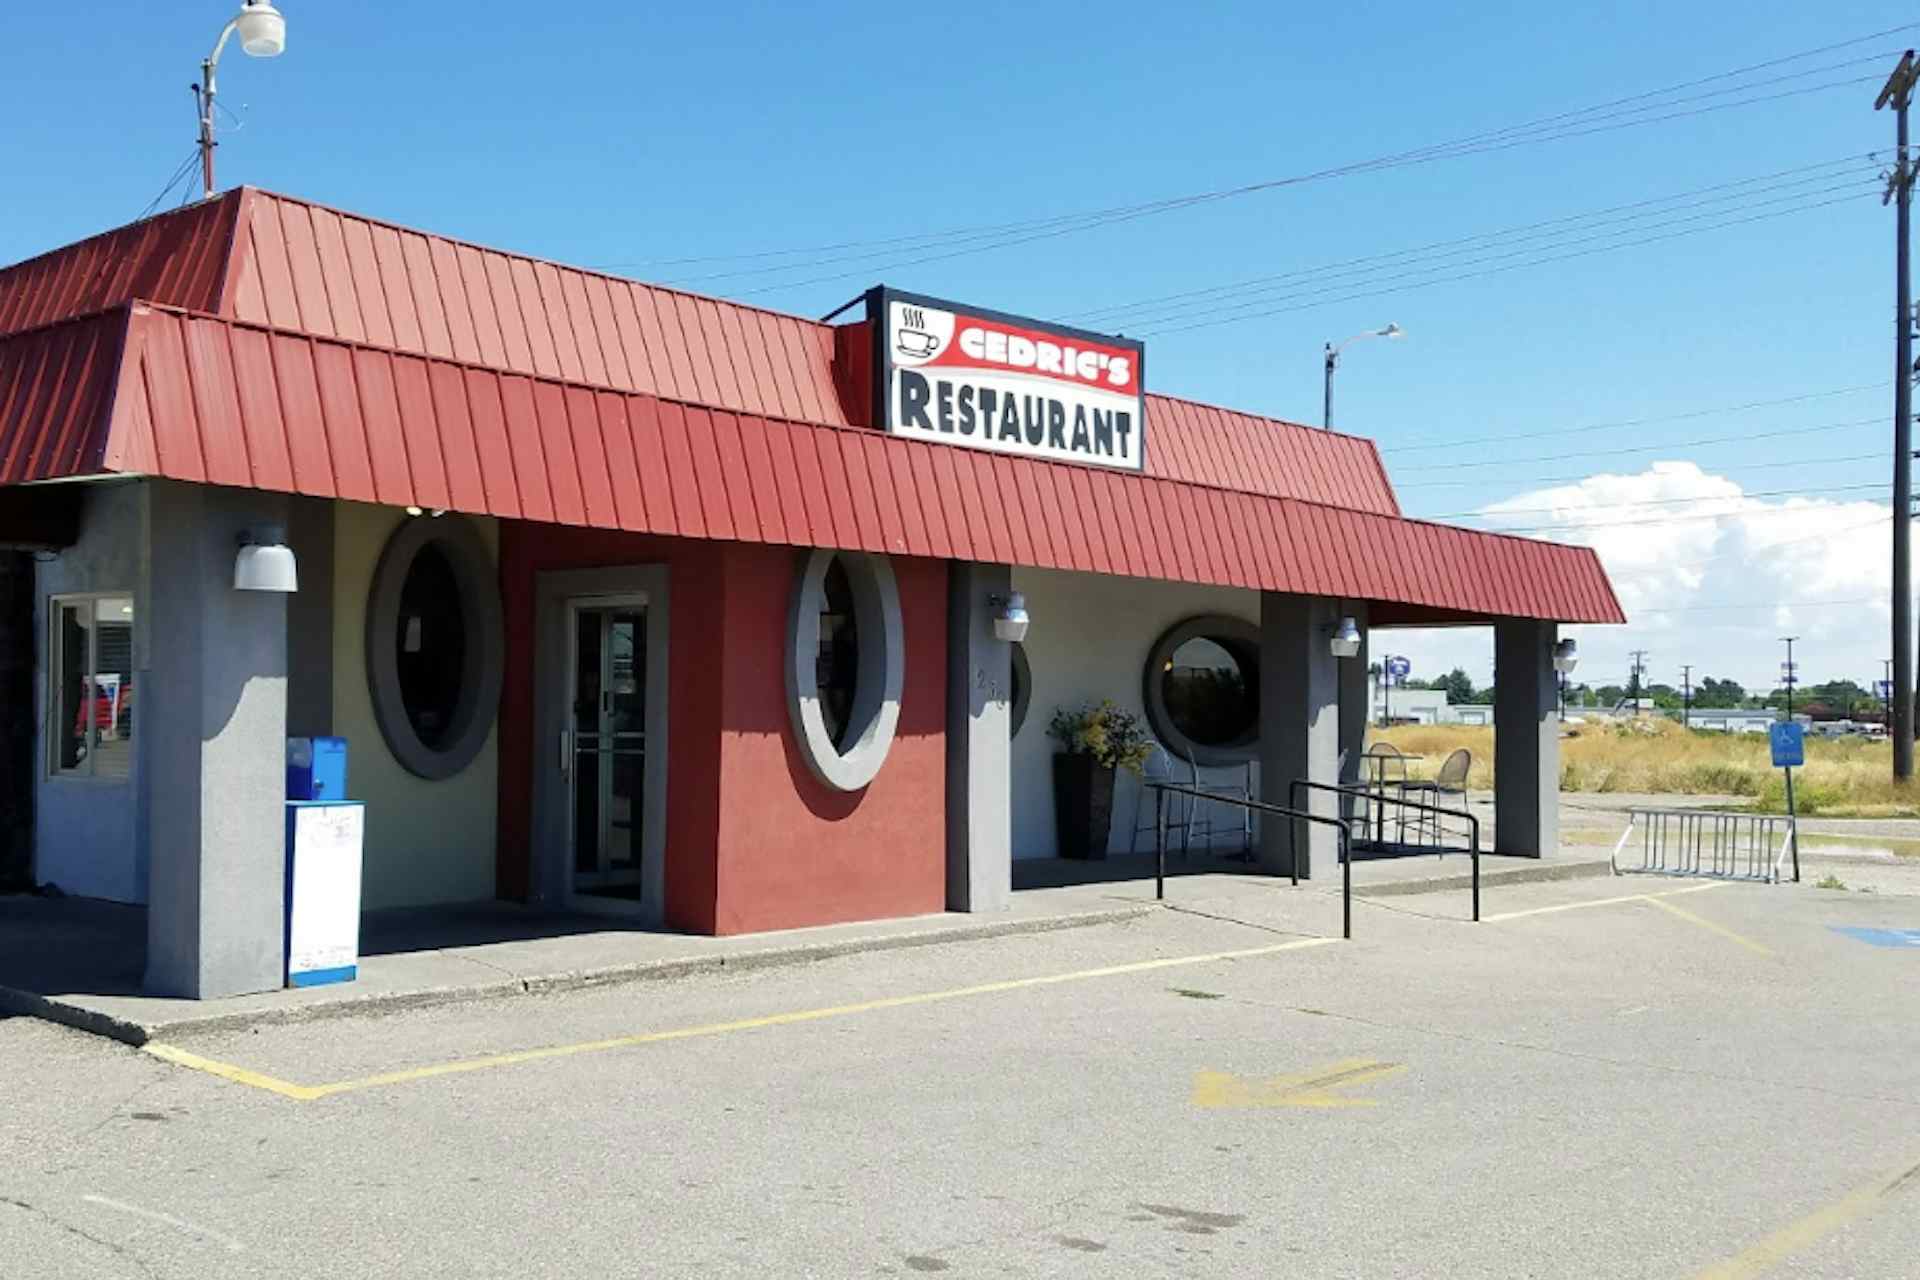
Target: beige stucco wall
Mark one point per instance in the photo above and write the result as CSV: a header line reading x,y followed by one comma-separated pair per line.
x,y
427,842
1090,640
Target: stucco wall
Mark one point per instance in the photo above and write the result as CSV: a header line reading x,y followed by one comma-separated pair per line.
x,y
87,835
427,842
793,851
1090,639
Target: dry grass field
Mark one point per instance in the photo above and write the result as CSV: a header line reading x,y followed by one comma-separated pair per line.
x,y
1843,777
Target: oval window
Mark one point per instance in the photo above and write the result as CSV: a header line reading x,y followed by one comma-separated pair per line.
x,y
846,653
837,671
430,646
1203,689
434,647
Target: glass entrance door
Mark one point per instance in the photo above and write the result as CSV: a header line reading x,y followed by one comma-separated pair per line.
x,y
608,751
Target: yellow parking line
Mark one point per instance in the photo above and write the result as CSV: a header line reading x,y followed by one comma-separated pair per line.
x,y
1603,902
308,1093
1705,923
1798,1236
227,1071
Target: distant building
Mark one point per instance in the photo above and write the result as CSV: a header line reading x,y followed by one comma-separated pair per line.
x,y
1734,719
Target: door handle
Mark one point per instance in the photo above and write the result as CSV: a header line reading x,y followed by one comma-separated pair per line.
x,y
566,753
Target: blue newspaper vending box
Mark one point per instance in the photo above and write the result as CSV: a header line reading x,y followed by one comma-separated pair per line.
x,y
316,768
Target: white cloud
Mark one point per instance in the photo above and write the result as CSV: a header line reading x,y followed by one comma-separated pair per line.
x,y
1708,575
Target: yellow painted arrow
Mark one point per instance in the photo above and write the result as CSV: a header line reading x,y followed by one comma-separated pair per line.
x,y
1219,1090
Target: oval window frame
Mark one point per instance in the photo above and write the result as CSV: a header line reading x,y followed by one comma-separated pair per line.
x,y
1243,639
459,542
875,716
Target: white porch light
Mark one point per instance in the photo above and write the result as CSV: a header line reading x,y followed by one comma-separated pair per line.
x,y
263,34
262,29
1346,639
1010,623
265,562
1566,656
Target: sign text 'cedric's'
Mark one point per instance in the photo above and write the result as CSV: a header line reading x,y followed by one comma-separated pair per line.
x,y
983,380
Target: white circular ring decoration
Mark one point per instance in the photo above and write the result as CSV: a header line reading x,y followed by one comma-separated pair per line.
x,y
876,694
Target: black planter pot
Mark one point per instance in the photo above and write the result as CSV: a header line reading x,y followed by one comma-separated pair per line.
x,y
1082,806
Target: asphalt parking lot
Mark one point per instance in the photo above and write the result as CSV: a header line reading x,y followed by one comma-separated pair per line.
x,y
1624,1077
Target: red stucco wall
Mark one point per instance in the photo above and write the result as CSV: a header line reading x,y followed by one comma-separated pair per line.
x,y
792,851
754,841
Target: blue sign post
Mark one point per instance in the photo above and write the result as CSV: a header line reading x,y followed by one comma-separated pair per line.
x,y
1789,741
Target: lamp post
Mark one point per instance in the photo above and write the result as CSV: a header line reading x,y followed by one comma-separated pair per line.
x,y
1333,360
263,34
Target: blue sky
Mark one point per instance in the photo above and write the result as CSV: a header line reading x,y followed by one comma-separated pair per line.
x,y
610,134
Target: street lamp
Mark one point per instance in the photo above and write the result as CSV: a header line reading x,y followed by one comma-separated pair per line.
x,y
1333,359
263,34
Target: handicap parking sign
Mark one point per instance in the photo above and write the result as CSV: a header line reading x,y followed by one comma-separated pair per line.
x,y
1905,939
1789,740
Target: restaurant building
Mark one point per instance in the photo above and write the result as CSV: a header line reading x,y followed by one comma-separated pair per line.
x,y
636,601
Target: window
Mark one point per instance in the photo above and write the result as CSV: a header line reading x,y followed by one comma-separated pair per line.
x,y
845,657
90,686
430,646
434,646
837,671
1202,687
1022,676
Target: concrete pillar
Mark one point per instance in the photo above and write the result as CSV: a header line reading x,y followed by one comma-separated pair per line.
x,y
1526,739
310,619
1355,709
212,748
979,741
1299,726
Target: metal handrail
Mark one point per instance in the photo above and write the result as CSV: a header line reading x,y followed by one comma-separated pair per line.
x,y
1161,789
1293,791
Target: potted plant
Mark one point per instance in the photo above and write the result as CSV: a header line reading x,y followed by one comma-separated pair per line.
x,y
1095,740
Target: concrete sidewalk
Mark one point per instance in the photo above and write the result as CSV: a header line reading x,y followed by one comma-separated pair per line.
x,y
79,962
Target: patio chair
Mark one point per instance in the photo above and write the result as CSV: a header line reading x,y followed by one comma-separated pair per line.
x,y
1237,785
1383,766
1178,808
1449,782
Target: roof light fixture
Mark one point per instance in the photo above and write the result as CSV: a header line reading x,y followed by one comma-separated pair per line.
x,y
263,34
265,562
1346,639
1010,621
1566,656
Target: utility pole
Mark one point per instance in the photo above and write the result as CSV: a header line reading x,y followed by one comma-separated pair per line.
x,y
1788,672
1639,665
1898,93
1686,696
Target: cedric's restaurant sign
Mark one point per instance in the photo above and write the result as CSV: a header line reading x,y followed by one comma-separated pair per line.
x,y
983,380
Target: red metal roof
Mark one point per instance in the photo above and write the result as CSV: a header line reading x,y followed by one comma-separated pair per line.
x,y
298,265
177,258
205,399
303,349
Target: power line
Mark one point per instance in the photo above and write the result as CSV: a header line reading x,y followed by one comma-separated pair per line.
x,y
1397,259
1560,120
1663,447
1071,224
1640,422
1568,527
1484,514
1560,480
1491,271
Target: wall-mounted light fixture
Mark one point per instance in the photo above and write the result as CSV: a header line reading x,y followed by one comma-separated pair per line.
x,y
1566,656
1010,621
265,561
1346,639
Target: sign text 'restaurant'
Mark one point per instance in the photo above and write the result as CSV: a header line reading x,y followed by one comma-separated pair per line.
x,y
987,381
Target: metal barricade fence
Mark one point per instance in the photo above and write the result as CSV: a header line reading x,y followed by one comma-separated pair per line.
x,y
1708,843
